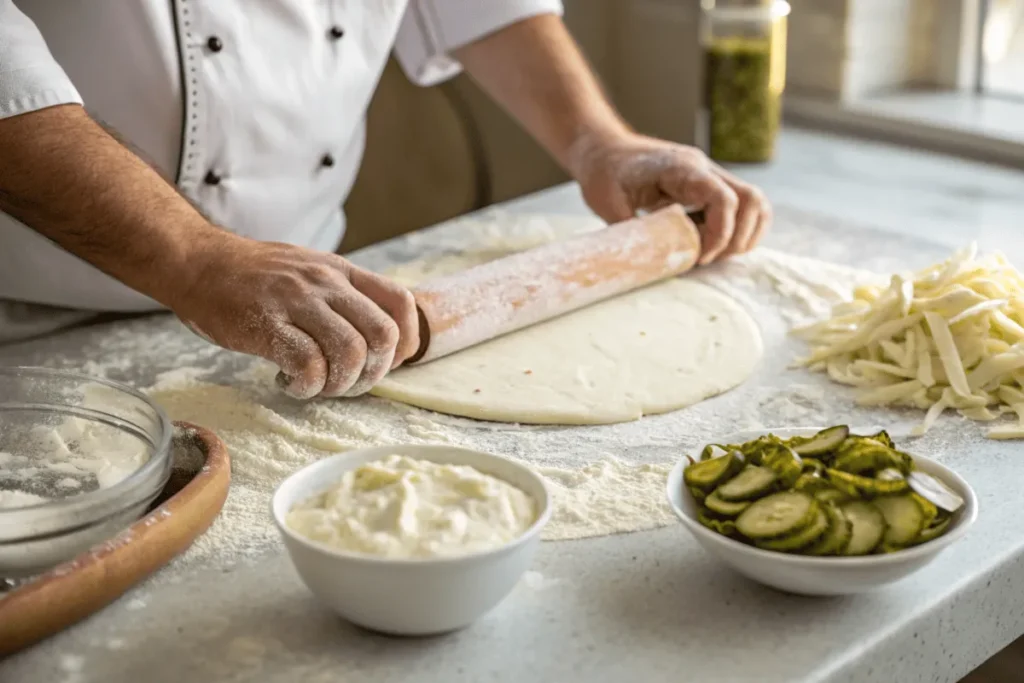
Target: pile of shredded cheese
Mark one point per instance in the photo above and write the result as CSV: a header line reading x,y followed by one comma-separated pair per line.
x,y
949,336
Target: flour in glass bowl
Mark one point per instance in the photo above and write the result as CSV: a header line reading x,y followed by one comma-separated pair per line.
x,y
64,455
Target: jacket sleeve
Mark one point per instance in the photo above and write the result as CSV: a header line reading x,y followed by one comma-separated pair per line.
x,y
432,29
30,78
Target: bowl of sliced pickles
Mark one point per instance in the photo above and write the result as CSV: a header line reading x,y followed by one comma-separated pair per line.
x,y
820,511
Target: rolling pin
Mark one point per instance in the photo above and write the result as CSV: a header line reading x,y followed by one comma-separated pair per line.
x,y
492,299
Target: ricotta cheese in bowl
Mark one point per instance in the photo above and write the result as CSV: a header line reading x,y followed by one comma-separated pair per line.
x,y
402,507
412,539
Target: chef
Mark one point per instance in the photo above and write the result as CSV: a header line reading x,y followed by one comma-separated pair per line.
x,y
194,155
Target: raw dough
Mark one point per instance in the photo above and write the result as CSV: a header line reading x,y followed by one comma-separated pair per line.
x,y
652,351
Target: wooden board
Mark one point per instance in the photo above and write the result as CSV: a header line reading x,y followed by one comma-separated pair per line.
x,y
185,509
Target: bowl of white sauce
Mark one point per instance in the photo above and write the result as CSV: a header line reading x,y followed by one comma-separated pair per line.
x,y
412,540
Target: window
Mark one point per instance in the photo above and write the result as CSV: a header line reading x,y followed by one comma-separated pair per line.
x,y
946,75
1001,49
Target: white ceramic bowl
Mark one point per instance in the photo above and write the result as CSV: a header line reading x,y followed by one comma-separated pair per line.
x,y
414,596
821,575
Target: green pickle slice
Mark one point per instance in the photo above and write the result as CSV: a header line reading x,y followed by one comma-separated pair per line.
x,y
707,474
825,441
777,515
802,538
860,455
811,483
904,518
857,486
726,527
883,438
867,527
830,494
752,482
812,465
786,464
838,535
724,508
934,531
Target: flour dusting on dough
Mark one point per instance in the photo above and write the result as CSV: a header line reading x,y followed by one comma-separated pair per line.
x,y
645,352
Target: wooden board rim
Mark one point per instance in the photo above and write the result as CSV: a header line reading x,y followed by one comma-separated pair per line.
x,y
97,577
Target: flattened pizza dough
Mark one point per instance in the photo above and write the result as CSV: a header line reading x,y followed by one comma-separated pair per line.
x,y
651,351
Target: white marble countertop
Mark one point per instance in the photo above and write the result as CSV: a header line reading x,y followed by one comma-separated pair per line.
x,y
648,606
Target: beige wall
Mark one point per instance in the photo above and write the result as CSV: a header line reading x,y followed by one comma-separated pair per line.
x,y
655,65
890,45
817,47
644,51
436,153
845,49
420,166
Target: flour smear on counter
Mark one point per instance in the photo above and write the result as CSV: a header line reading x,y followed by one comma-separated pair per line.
x,y
600,497
604,480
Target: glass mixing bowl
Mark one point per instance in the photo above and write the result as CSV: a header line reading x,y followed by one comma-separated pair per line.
x,y
81,459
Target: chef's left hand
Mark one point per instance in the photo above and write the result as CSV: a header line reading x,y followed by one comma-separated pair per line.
x,y
623,173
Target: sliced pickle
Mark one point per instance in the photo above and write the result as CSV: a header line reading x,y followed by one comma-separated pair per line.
x,y
779,514
825,441
707,474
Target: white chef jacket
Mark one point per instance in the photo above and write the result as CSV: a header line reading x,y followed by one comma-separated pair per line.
x,y
255,108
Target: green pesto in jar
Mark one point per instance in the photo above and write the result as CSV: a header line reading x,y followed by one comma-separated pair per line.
x,y
743,108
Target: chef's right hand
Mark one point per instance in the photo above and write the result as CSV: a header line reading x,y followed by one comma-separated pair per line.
x,y
332,328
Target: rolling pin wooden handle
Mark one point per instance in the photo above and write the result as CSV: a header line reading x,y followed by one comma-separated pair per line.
x,y
510,293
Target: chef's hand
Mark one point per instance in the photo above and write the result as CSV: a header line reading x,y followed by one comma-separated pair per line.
x,y
624,173
332,328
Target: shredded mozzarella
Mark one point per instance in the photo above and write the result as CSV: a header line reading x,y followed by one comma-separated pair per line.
x,y
950,336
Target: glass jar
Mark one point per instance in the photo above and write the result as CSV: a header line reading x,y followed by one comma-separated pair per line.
x,y
744,47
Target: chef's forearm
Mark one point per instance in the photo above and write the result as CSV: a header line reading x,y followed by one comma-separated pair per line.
x,y
534,69
65,177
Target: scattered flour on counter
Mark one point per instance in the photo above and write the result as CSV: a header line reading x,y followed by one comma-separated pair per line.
x,y
536,581
72,667
604,480
806,288
135,604
266,445
804,404
606,497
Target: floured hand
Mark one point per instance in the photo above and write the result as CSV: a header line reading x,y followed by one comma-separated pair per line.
x,y
622,173
332,328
